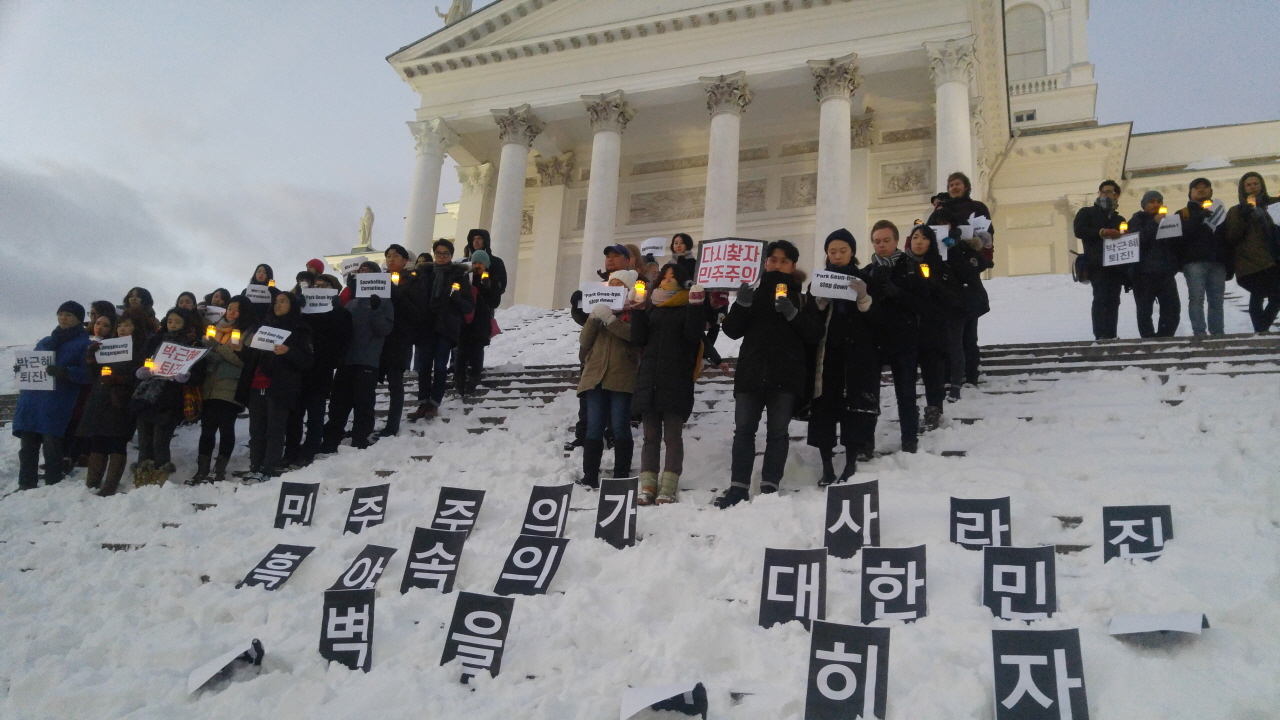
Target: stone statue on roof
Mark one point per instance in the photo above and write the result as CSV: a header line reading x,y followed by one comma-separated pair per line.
x,y
458,10
366,228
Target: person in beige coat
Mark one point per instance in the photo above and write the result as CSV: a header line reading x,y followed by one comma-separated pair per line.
x,y
610,362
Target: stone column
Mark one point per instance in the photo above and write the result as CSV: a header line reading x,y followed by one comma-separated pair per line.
x,y
951,64
553,173
610,114
475,181
517,128
727,97
835,81
432,139
860,187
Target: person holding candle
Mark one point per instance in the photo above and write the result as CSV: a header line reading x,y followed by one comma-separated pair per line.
x,y
667,330
938,302
263,276
845,378
408,298
770,376
331,333
449,300
1155,273
158,402
895,281
1093,226
1202,254
356,381
41,417
478,239
271,383
1252,237
475,333
609,363
107,423
223,365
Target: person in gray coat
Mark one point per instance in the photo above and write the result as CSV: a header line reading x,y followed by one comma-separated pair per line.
x,y
356,381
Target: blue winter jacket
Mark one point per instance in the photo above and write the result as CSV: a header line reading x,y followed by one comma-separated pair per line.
x,y
47,412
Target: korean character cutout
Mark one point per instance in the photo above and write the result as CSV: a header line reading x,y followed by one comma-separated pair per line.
x,y
297,503
848,672
616,514
793,586
1020,583
433,559
478,633
853,518
548,510
457,509
346,634
368,508
1039,675
531,565
976,524
277,567
893,584
1134,532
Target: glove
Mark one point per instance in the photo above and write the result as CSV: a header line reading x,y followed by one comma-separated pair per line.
x,y
575,298
56,372
985,237
890,289
949,241
858,285
784,306
601,312
375,302
745,295
182,377
697,295
142,373
209,342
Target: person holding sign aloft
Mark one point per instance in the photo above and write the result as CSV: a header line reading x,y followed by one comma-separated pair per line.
x,y
668,332
608,378
1251,233
1093,226
845,376
1157,267
356,382
107,423
271,383
158,401
41,417
956,208
222,364
770,375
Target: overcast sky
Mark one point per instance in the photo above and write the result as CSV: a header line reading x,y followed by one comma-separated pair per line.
x,y
175,145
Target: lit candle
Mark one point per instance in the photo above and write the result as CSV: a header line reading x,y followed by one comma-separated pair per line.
x,y
924,269
484,275
1164,210
639,290
106,371
211,332
395,278
457,287
235,337
271,283
1253,201
918,222
149,364
1206,204
780,291
1124,226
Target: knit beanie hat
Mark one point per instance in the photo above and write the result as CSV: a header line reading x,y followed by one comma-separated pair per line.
x,y
480,256
315,265
841,234
628,277
1150,195
74,308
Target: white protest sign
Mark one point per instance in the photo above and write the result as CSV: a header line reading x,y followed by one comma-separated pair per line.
x,y
1170,227
1120,251
370,284
115,350
596,293
832,285
1274,211
979,223
636,699
654,246
940,232
351,265
173,359
213,313
1174,622
728,263
32,374
1217,212
258,294
267,338
319,300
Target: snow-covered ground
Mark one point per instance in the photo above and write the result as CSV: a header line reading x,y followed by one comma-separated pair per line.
x,y
91,633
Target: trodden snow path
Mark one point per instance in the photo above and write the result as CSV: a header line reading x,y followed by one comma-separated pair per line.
x,y
91,632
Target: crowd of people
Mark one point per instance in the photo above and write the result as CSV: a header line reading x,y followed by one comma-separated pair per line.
x,y
299,392
1212,244
914,308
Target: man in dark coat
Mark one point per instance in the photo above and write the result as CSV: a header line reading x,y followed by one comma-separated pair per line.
x,y
330,335
1094,225
894,284
1155,272
449,299
478,239
958,208
771,368
407,299
355,384
967,266
476,333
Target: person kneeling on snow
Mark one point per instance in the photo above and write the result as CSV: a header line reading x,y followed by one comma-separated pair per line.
x,y
609,363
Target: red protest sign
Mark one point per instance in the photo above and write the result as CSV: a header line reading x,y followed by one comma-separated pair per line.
x,y
730,262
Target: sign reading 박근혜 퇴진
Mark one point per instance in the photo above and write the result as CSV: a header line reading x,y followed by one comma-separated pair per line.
x,y
368,508
370,284
893,584
594,293
848,672
616,513
346,630
114,350
979,523
277,567
173,359
853,518
297,503
548,510
832,285
727,263
433,559
1136,531
457,509
365,571
1120,251
531,565
478,633
1038,674
33,371
1020,583
793,586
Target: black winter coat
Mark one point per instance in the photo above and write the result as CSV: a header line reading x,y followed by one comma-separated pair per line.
x,y
497,268
774,350
1089,222
957,211
168,408
846,371
106,412
967,266
446,306
1155,257
669,338
331,336
939,299
895,314
1199,242
487,297
409,300
286,371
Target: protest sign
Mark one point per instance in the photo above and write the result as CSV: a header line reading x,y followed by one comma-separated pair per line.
x,y
1120,251
115,350
347,627
368,507
595,293
832,285
277,567
853,518
1170,227
267,338
173,359
351,265
317,300
1136,531
32,367
433,559
727,263
213,313
793,586
616,513
848,672
258,294
1038,674
655,246
296,504
370,284
478,633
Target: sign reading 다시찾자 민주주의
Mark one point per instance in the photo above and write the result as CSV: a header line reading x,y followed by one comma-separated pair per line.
x,y
596,293
173,359
33,370
370,284
114,350
1120,251
832,285
267,338
317,300
727,263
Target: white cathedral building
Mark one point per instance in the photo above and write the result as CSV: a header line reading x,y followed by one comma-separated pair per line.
x,y
577,124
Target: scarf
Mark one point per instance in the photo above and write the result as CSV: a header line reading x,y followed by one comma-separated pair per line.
x,y
687,254
670,298
890,261
61,335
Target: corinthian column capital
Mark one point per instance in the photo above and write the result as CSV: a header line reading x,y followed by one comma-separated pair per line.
x,y
951,60
517,125
837,77
432,136
475,178
609,111
554,170
727,93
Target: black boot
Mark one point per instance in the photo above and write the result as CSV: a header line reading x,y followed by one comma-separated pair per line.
x,y
97,468
202,470
115,471
622,450
828,467
591,452
732,496
220,468
850,466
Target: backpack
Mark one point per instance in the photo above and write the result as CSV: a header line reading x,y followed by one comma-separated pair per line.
x,y
1080,268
